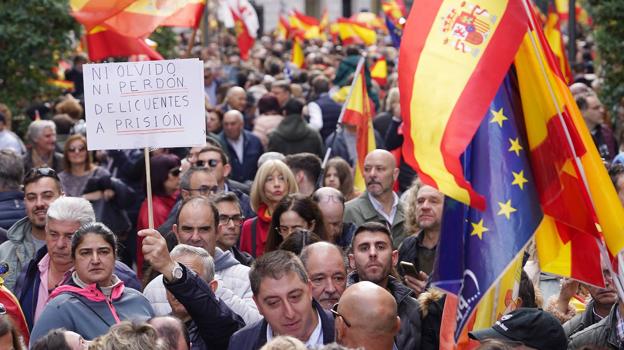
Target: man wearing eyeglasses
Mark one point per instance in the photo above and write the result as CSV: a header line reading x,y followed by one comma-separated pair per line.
x,y
372,327
332,205
216,160
41,187
229,229
196,225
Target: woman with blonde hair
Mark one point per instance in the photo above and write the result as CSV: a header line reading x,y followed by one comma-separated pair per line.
x,y
274,181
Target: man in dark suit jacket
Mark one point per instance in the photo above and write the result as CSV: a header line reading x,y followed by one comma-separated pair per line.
x,y
243,147
284,297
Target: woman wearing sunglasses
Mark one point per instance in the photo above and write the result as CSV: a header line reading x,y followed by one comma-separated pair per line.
x,y
109,196
165,175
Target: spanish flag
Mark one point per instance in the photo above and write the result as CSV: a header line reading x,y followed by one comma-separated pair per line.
x,y
379,71
453,57
581,208
298,58
103,43
142,17
309,27
359,111
352,32
552,31
93,12
283,28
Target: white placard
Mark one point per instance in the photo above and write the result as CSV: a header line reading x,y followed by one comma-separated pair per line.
x,y
145,104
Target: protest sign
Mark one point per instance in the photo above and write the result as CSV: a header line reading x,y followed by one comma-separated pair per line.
x,y
145,104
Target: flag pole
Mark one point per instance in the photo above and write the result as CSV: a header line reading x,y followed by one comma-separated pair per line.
x,y
601,244
338,124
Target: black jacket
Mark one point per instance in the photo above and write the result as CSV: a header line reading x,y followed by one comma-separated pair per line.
x,y
409,313
11,208
215,321
253,337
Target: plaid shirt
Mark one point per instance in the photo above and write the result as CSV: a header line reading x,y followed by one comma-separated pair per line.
x,y
619,326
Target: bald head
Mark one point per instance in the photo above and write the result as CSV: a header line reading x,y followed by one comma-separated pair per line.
x,y
236,98
373,326
326,270
171,331
380,172
331,202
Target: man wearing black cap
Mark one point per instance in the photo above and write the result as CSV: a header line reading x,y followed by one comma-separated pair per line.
x,y
526,328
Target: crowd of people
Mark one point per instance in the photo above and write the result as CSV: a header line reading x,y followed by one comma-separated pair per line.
x,y
256,243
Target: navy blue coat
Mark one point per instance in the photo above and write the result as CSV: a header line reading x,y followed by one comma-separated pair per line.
x,y
253,337
252,150
215,321
11,208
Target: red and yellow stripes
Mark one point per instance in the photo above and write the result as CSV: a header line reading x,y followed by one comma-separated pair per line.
x,y
449,75
580,205
359,112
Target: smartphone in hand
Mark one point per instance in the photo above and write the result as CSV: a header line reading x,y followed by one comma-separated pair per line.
x,y
409,269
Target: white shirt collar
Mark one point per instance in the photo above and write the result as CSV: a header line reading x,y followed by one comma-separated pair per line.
x,y
379,207
316,338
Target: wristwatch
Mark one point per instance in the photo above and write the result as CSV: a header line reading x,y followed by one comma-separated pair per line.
x,y
176,273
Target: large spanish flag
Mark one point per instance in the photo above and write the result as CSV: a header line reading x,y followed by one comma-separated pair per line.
x,y
103,43
580,204
308,27
453,57
359,111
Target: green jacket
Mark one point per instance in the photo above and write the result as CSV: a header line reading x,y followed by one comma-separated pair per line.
x,y
601,335
361,210
17,251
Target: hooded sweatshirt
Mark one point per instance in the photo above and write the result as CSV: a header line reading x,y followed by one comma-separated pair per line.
x,y
294,135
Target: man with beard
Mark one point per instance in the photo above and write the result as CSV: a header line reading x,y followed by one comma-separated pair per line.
x,y
326,268
378,203
420,249
372,258
41,187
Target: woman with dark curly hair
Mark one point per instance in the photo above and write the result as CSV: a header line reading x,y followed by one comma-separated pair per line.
x,y
294,212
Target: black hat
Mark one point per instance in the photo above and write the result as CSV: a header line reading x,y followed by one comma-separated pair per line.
x,y
532,327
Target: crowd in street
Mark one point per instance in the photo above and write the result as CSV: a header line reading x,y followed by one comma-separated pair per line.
x,y
256,242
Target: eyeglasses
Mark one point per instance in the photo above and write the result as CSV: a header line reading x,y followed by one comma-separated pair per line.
x,y
78,149
330,198
209,163
36,173
337,314
205,190
286,230
175,172
236,219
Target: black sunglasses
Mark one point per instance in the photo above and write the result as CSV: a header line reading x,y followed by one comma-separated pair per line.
x,y
211,163
334,311
36,173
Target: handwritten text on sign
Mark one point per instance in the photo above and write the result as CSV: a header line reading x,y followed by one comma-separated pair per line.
x,y
145,104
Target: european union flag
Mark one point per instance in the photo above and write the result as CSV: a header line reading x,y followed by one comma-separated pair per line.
x,y
476,247
395,32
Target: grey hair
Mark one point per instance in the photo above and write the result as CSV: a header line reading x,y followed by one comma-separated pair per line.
x,y
71,209
206,259
11,170
35,129
307,251
235,112
185,179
